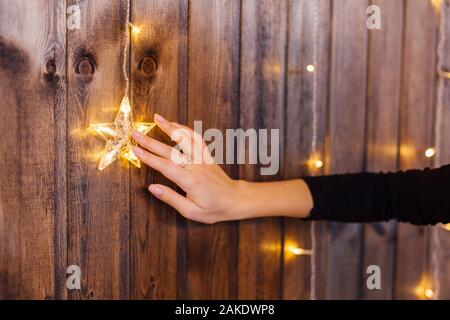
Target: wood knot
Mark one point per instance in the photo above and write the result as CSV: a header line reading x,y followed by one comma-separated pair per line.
x,y
85,69
50,72
50,66
148,66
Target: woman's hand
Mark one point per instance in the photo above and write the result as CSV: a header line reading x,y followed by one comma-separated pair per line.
x,y
211,195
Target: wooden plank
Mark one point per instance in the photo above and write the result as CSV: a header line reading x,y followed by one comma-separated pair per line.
x,y
347,127
32,57
262,102
383,104
415,134
296,270
213,98
98,201
443,247
153,269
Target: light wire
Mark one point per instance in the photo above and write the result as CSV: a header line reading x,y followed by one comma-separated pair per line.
x,y
125,49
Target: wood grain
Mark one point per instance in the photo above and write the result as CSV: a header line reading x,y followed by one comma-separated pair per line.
x,y
32,218
347,132
98,201
383,105
153,270
262,103
229,63
418,82
298,150
213,99
443,249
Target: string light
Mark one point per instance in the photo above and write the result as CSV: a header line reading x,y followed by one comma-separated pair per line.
x,y
310,68
429,293
117,134
430,152
301,252
318,164
134,29
423,292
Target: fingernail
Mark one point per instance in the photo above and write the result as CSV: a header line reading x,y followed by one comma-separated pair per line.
x,y
137,151
159,118
137,135
155,190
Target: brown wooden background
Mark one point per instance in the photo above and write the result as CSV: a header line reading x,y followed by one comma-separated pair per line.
x,y
230,63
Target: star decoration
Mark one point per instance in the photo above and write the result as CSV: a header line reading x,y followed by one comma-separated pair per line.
x,y
118,136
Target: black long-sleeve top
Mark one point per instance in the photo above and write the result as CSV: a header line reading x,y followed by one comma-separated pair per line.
x,y
419,197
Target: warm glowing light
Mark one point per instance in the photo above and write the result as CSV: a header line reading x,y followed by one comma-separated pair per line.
x,y
310,68
318,163
125,106
424,292
130,156
430,152
315,162
436,4
104,130
444,74
429,293
118,136
445,226
135,29
143,126
301,252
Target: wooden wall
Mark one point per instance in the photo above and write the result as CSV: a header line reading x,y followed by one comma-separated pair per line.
x,y
229,63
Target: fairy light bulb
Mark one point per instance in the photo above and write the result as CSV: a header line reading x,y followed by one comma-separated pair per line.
x,y
429,293
301,252
118,136
135,29
310,68
430,152
315,162
424,292
318,163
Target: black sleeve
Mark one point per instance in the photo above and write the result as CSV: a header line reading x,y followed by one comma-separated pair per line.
x,y
419,197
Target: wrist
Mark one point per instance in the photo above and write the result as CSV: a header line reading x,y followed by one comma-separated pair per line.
x,y
241,204
250,202
289,198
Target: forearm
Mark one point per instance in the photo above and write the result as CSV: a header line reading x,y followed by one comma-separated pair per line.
x,y
419,197
290,198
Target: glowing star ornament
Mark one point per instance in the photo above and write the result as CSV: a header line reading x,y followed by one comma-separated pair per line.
x,y
118,136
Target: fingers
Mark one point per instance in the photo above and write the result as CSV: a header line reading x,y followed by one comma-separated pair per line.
x,y
171,171
165,125
190,142
193,135
156,147
186,207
